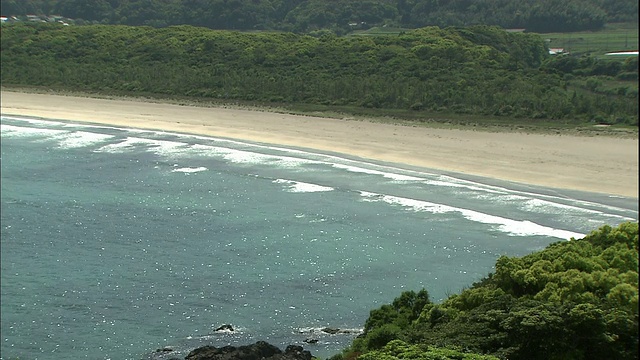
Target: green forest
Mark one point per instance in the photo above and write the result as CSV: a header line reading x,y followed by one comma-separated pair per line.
x,y
339,16
576,299
467,71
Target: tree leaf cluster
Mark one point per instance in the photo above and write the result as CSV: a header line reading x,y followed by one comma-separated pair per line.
x,y
576,299
477,70
340,16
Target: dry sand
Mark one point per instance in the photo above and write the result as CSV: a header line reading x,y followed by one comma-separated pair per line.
x,y
600,164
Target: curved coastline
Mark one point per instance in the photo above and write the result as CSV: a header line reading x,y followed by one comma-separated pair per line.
x,y
598,164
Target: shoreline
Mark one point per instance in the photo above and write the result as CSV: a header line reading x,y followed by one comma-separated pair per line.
x,y
598,164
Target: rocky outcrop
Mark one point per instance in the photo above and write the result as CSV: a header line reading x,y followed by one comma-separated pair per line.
x,y
225,327
258,351
334,331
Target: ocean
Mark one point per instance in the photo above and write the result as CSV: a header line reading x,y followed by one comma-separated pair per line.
x,y
116,242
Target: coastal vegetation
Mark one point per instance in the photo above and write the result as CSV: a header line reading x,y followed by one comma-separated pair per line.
x,y
576,299
338,16
477,72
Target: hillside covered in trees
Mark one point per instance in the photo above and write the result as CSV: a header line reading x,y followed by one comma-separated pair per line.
x,y
477,70
576,299
339,16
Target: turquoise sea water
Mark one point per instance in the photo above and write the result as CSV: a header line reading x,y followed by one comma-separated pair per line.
x,y
116,242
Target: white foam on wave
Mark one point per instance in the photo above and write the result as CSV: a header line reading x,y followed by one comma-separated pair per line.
x,y
389,175
216,334
19,131
455,183
545,206
250,157
160,147
322,159
190,170
65,123
299,187
77,139
66,139
323,331
33,121
530,204
502,224
551,200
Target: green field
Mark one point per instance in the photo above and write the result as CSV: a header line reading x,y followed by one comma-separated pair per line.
x,y
379,31
614,37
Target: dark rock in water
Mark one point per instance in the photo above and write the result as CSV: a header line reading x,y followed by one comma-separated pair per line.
x,y
331,331
310,341
165,349
225,327
258,351
334,331
295,352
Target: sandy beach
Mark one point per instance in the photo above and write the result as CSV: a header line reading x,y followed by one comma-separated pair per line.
x,y
599,164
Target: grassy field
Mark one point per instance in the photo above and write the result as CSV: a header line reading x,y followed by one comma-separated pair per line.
x,y
614,37
374,31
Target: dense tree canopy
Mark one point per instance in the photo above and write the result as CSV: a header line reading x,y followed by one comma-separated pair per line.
x,y
576,299
477,70
337,15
